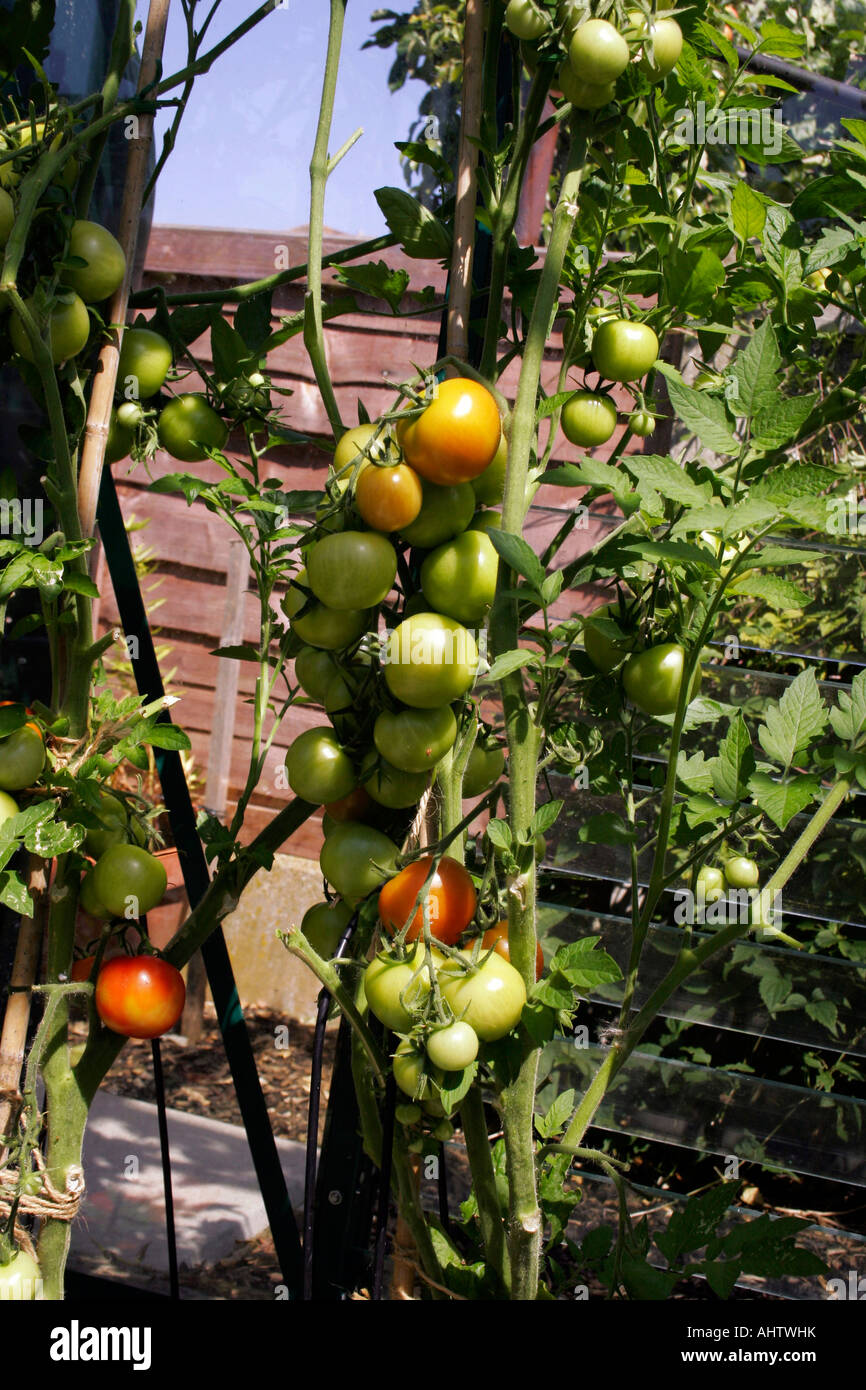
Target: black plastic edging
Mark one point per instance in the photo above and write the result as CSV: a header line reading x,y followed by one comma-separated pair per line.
x,y
238,1049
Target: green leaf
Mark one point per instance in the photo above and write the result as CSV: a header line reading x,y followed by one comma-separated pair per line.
x,y
591,473
664,476
245,652
585,965
378,280
519,556
80,584
551,404
694,1224
849,719
252,320
422,236
511,661
499,833
705,415
545,816
607,828
556,1118
50,838
792,724
748,210
782,800
735,763
825,1012
164,735
13,893
778,425
779,594
753,373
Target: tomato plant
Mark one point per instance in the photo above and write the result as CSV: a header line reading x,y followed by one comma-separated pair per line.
x,y
356,858
597,52
392,786
642,423
389,499
139,996
317,767
497,937
396,987
588,418
22,758
105,263
489,997
451,900
453,1047
20,1278
742,872
127,876
415,739
430,660
189,426
606,652
457,436
145,361
314,669
459,577
68,328
623,350
351,569
652,678
662,46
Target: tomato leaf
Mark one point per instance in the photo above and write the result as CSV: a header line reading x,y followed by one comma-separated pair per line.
x,y
14,895
795,721
584,965
252,320
511,661
422,236
704,414
519,556
782,800
378,280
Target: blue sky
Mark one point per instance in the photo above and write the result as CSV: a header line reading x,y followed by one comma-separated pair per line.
x,y
243,151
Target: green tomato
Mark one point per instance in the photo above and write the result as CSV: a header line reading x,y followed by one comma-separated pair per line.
x,y
415,1077
121,438
485,766
8,807
415,739
127,872
446,510
459,577
20,1279
145,359
711,884
67,333
314,670
489,486
7,216
22,758
603,651
352,569
642,423
396,989
322,627
324,924
106,263
453,1047
490,998
588,418
652,678
188,426
741,872
525,20
318,769
662,48
114,831
89,900
585,96
408,1114
356,859
597,52
486,521
430,660
392,787
623,350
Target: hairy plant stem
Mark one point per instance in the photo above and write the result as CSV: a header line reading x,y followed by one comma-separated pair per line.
x,y
524,744
314,340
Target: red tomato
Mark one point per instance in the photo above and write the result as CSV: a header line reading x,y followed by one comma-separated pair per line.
x,y
458,434
139,996
452,900
497,937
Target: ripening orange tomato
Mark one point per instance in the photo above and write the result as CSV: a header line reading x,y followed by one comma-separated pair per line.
x,y
452,900
457,436
497,937
388,498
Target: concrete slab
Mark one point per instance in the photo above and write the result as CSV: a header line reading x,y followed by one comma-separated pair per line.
x,y
216,1195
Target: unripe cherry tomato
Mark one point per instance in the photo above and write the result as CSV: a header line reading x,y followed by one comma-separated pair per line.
x,y
742,872
453,1047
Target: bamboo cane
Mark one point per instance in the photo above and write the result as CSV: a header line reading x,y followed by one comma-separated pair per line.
x,y
17,1015
460,286
105,377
